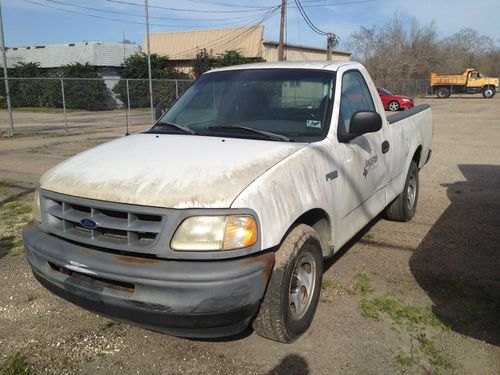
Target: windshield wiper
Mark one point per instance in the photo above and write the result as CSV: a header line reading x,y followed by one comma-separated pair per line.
x,y
273,136
182,128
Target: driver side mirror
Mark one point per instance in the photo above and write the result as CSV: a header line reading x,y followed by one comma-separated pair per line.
x,y
365,122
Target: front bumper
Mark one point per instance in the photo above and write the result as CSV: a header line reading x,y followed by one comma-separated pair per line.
x,y
184,298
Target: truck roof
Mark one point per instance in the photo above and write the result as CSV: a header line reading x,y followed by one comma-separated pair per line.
x,y
320,65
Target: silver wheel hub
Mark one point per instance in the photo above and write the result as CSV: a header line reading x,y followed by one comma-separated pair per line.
x,y
411,192
488,93
393,106
302,285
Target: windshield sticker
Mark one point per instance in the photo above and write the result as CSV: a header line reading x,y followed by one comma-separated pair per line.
x,y
313,124
368,164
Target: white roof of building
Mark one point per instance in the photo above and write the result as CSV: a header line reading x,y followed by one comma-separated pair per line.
x,y
55,55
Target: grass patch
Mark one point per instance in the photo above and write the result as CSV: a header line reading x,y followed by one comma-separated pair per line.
x,y
14,215
363,284
400,313
436,359
108,324
16,364
335,285
403,359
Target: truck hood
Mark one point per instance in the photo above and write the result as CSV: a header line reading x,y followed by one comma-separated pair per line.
x,y
173,171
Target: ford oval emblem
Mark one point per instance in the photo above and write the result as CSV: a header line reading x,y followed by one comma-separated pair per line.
x,y
88,223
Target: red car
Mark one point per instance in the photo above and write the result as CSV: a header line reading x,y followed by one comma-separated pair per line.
x,y
394,102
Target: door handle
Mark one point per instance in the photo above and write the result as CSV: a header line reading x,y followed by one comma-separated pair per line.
x,y
385,146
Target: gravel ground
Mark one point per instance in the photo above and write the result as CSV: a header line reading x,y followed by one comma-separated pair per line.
x,y
417,297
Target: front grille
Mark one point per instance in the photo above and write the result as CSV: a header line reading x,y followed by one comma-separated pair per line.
x,y
119,227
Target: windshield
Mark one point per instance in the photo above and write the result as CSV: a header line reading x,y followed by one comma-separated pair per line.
x,y
292,103
385,91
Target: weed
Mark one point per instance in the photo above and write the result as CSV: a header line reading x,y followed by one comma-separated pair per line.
x,y
16,364
108,324
392,280
403,359
363,284
402,314
14,215
436,359
332,284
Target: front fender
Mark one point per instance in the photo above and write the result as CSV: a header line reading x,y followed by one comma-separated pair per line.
x,y
292,187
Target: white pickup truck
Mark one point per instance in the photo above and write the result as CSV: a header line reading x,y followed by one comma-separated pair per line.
x,y
221,214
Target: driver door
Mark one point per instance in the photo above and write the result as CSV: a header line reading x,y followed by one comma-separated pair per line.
x,y
365,175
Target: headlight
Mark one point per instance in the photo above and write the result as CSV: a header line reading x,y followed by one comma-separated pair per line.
x,y
209,233
37,212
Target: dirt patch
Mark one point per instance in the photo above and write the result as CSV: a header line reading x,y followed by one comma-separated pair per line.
x,y
417,297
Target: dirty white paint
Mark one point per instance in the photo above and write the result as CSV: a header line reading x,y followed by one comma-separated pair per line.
x,y
176,171
278,180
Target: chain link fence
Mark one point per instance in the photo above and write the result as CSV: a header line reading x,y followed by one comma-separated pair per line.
x,y
408,87
52,104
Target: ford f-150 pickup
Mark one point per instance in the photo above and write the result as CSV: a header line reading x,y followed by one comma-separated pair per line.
x,y
220,215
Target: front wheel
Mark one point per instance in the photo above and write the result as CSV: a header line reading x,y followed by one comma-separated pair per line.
x,y
393,106
403,208
292,295
489,92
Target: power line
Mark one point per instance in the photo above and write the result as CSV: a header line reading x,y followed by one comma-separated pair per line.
x,y
308,20
184,10
112,18
230,40
141,16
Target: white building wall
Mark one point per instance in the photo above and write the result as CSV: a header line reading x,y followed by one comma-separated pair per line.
x,y
56,55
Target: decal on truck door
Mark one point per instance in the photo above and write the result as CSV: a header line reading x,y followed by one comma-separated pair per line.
x,y
368,164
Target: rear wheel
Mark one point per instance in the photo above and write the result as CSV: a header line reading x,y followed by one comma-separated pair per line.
x,y
292,295
393,106
489,92
403,208
443,93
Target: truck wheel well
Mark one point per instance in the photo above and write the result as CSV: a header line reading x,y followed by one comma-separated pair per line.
x,y
319,220
416,155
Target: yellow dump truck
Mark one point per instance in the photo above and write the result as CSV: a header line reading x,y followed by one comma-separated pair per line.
x,y
470,82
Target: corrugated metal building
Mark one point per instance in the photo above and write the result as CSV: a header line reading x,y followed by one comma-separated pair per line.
x,y
100,54
181,47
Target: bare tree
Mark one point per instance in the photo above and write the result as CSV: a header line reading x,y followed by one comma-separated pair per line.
x,y
396,52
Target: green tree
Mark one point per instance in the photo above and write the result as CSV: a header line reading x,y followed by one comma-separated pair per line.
x,y
135,69
205,60
84,94
31,93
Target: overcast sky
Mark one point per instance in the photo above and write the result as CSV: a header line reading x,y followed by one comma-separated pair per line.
x,y
38,22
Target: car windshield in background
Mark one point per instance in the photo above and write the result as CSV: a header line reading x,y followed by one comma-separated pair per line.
x,y
277,104
385,91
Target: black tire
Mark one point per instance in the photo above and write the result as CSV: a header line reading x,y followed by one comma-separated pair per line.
x,y
443,93
489,92
394,106
403,208
299,253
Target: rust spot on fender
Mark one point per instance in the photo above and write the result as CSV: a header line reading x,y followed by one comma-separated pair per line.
x,y
266,260
135,260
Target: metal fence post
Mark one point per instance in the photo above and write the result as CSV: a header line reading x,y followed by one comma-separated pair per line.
x,y
128,106
64,105
176,89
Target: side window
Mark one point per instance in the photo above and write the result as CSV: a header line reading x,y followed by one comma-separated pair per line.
x,y
474,75
354,97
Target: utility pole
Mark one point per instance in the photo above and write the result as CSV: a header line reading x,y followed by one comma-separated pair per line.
x,y
281,48
149,63
5,74
331,42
